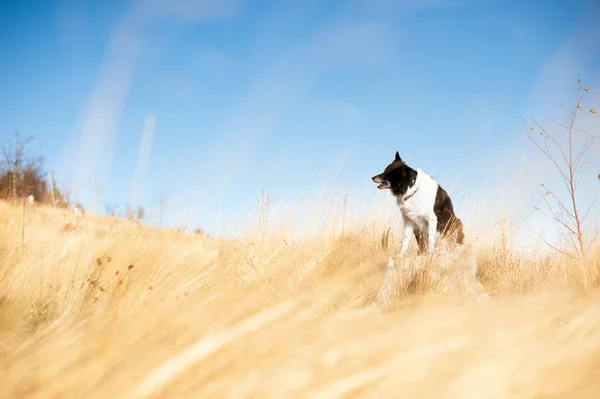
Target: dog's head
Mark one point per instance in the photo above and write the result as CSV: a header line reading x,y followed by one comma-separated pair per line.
x,y
397,176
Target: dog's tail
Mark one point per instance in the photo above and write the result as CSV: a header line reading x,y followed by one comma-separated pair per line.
x,y
455,227
460,236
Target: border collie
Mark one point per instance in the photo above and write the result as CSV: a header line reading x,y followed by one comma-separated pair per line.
x,y
425,206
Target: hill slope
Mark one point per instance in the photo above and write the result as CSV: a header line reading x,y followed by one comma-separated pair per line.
x,y
108,309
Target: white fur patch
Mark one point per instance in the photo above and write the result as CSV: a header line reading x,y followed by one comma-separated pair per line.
x,y
416,207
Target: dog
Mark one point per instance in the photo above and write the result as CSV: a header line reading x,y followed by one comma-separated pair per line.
x,y
425,206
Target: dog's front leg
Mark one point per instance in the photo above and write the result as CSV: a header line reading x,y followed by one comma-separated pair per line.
x,y
431,230
408,232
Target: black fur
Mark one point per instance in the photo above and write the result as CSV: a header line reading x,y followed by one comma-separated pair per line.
x,y
447,222
401,179
399,175
421,238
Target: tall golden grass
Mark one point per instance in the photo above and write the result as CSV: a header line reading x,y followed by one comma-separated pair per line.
x,y
103,308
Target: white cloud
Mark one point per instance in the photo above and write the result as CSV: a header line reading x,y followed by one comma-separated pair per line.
x,y
201,9
177,87
281,84
213,64
343,110
389,8
99,125
139,173
103,112
75,24
189,10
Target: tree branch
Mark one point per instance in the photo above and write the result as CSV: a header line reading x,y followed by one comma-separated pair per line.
x,y
546,242
589,208
550,157
551,137
554,216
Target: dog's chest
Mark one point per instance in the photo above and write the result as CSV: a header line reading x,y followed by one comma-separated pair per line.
x,y
417,208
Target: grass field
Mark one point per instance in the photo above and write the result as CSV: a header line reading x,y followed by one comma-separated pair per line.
x,y
103,308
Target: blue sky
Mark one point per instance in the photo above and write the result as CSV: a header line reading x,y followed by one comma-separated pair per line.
x,y
212,101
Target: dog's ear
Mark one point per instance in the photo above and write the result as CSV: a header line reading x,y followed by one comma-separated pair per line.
x,y
397,157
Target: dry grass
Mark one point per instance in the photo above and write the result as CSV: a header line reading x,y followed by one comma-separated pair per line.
x,y
103,308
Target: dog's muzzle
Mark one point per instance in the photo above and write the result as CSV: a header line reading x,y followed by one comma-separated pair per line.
x,y
381,183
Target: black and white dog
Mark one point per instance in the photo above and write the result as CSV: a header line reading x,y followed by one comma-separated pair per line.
x,y
425,206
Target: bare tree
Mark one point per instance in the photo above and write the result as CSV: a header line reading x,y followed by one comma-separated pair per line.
x,y
135,214
568,159
140,214
129,212
22,175
22,172
112,210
